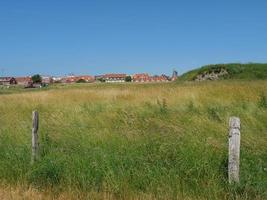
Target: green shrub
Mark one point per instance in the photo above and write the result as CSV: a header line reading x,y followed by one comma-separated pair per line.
x,y
36,78
128,79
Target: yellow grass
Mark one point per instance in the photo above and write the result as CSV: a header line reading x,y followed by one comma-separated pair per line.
x,y
115,122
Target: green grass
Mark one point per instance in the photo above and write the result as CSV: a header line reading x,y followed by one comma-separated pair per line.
x,y
165,141
251,71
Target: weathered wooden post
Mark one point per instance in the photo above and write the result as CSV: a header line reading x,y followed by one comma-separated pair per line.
x,y
35,143
234,150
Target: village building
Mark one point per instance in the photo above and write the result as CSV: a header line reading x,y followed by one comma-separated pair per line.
x,y
47,79
57,79
141,78
162,78
24,81
68,79
86,78
74,79
174,75
7,81
114,78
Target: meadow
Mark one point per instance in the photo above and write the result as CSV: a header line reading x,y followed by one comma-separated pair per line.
x,y
134,141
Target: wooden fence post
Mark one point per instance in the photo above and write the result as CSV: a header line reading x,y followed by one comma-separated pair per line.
x,y
35,143
234,150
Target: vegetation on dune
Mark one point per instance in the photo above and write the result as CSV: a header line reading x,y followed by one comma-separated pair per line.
x,y
146,141
251,71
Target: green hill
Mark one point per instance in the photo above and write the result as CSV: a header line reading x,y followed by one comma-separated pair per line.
x,y
250,71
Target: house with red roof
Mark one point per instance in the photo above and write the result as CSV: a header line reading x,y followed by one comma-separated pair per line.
x,y
24,81
114,78
7,81
144,77
74,79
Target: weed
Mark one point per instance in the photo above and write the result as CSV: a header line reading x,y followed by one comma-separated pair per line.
x,y
162,105
262,102
214,114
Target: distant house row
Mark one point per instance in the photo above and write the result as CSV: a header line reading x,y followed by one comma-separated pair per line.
x,y
109,78
146,78
7,81
120,78
74,79
17,80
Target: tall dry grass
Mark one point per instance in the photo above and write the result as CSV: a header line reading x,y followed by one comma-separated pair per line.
x,y
164,141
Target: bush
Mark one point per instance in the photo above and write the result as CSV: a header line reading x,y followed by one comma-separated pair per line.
x,y
128,79
36,78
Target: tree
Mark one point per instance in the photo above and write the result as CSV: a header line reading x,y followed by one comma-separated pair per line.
x,y
36,78
128,79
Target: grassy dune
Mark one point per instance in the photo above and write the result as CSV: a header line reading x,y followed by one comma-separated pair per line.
x,y
249,71
134,141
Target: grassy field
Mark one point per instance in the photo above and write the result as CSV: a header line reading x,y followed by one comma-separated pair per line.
x,y
133,141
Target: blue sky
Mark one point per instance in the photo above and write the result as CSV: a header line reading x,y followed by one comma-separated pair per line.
x,y
59,37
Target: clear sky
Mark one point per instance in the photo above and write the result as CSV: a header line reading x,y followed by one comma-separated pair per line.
x,y
59,37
